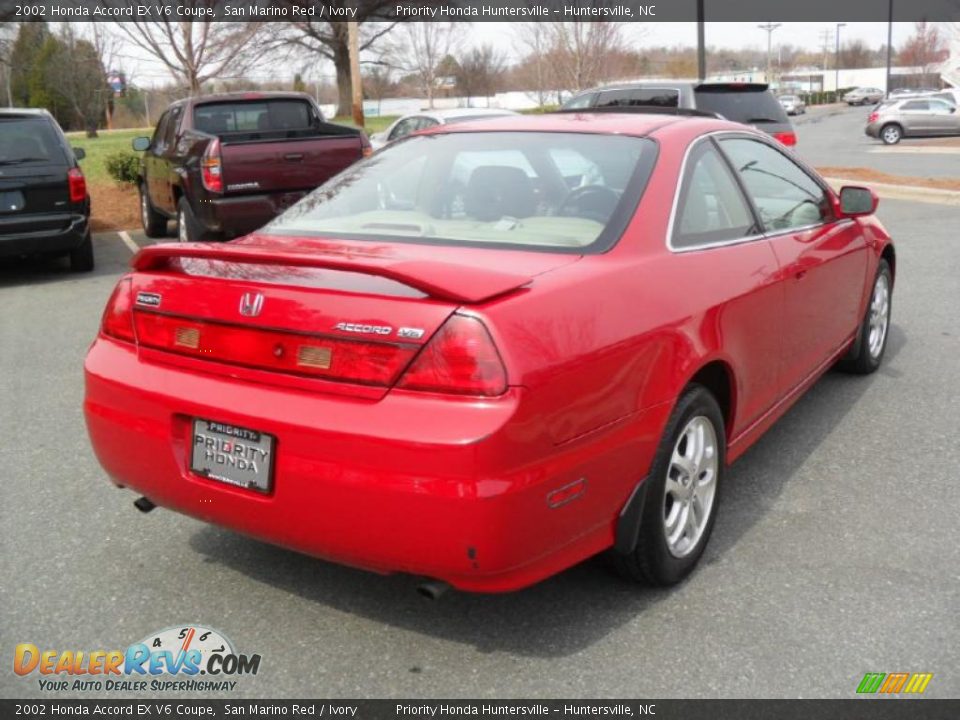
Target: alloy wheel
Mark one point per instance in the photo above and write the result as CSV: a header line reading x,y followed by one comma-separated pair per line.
x,y
691,485
879,316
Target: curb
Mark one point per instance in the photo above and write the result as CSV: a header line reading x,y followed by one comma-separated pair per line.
x,y
902,192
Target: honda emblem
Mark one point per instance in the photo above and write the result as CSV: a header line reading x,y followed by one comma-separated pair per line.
x,y
251,304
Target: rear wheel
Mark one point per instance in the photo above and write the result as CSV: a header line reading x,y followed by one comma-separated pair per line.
x,y
81,257
866,354
682,493
154,224
891,134
188,229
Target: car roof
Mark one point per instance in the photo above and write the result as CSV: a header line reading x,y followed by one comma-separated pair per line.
x,y
450,113
604,123
24,111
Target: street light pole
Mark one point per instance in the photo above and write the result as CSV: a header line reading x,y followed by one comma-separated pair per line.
x,y
769,27
836,60
701,49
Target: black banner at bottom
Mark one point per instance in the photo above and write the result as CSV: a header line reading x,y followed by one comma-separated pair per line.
x,y
861,708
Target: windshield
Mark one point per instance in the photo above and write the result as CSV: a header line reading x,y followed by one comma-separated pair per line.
x,y
521,189
26,140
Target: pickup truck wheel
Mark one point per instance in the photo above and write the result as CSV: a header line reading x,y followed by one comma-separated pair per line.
x,y
154,224
682,493
81,257
866,353
188,230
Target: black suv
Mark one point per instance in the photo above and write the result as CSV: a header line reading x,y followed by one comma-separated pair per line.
x,y
748,103
44,205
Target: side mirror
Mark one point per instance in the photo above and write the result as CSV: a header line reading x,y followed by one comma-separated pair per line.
x,y
856,201
79,153
140,144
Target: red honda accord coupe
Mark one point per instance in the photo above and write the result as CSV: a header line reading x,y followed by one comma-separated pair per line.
x,y
493,350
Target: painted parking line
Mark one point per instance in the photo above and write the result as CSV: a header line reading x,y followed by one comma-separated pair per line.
x,y
128,241
918,149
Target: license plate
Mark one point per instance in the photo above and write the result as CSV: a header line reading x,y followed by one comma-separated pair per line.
x,y
232,455
11,201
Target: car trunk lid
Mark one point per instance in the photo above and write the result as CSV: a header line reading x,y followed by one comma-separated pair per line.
x,y
343,317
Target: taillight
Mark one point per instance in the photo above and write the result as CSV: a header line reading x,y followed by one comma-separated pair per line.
x,y
277,350
872,117
211,168
787,138
365,148
117,321
77,184
461,358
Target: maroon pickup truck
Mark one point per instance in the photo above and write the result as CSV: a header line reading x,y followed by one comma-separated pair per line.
x,y
224,165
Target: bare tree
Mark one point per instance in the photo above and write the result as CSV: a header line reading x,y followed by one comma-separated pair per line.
x,y
377,83
427,45
479,71
195,52
328,39
579,51
925,48
534,71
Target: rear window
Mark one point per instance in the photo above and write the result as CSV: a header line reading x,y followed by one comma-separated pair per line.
x,y
557,191
248,116
639,97
29,140
741,105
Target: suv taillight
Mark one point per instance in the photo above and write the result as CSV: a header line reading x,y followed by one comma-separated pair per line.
x,y
787,138
77,185
211,168
117,321
872,117
461,358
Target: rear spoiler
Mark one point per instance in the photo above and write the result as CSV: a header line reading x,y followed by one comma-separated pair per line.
x,y
445,281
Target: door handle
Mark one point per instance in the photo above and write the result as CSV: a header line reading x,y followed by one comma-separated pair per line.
x,y
799,274
293,157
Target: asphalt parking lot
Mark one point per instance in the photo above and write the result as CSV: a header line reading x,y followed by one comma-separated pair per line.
x,y
836,551
833,136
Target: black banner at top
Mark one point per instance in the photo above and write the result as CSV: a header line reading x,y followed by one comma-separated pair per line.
x,y
647,11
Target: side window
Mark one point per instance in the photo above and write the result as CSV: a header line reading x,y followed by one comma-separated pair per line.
x,y
711,208
915,106
637,97
941,108
173,121
784,195
427,123
404,128
157,141
580,102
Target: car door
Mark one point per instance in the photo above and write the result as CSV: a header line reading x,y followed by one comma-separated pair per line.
x,y
152,163
167,163
943,117
733,275
823,261
915,117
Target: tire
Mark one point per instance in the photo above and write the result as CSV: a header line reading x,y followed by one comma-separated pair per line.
x,y
866,353
658,559
891,134
81,257
188,229
154,224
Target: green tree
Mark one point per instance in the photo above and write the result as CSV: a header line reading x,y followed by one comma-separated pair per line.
x,y
23,59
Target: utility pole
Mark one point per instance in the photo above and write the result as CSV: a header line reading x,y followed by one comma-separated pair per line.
x,y
889,44
769,27
836,60
356,84
825,37
701,50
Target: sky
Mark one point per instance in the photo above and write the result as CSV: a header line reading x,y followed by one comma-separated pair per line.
x,y
146,72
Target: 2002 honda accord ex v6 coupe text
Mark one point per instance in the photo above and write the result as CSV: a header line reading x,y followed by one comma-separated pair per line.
x,y
493,350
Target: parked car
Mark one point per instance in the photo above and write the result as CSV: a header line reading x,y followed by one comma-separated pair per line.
x,y
489,352
224,165
44,204
793,104
425,119
748,103
912,117
864,96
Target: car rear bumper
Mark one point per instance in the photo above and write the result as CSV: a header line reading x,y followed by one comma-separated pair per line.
x,y
235,216
48,233
457,490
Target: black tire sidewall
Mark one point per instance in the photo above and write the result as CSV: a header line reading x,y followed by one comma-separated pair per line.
x,y
653,555
871,363
81,257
